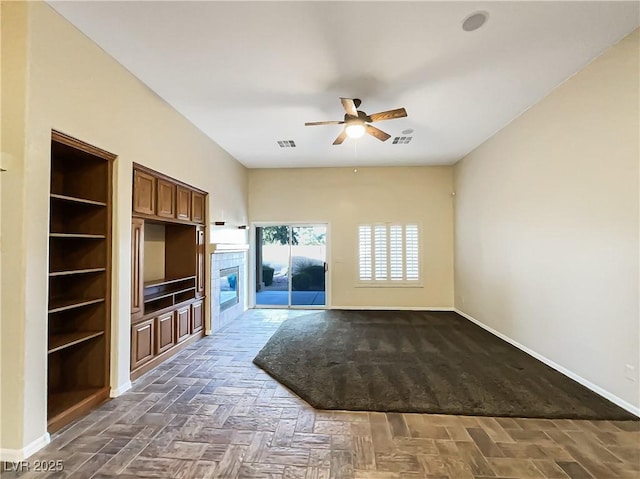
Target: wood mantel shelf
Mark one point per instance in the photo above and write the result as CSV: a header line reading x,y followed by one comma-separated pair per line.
x,y
229,248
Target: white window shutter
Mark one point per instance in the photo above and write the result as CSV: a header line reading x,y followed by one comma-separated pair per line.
x,y
411,253
364,241
380,250
395,252
388,253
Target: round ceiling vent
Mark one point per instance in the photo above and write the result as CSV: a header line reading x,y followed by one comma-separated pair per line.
x,y
474,21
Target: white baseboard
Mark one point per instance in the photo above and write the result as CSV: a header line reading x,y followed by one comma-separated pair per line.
x,y
394,308
207,332
588,384
123,388
15,455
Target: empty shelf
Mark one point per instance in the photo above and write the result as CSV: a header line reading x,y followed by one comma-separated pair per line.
x,y
77,200
64,304
77,271
75,235
62,341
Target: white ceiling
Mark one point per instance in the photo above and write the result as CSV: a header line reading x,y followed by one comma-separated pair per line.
x,y
251,73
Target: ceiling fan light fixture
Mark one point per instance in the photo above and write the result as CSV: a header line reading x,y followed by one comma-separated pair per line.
x,y
355,130
357,122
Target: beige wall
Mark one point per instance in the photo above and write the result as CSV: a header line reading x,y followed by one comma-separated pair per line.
x,y
547,225
345,199
74,87
12,110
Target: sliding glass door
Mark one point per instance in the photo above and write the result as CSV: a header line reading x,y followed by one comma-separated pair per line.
x,y
291,266
273,255
308,265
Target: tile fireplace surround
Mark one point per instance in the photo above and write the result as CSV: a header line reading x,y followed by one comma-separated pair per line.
x,y
221,260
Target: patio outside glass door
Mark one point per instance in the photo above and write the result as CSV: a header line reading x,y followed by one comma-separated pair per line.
x,y
291,266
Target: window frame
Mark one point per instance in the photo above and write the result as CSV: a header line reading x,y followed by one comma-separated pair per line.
x,y
388,282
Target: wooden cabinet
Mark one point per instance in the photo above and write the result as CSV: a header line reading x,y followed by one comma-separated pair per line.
x,y
79,279
137,252
197,207
183,323
167,307
166,199
183,207
158,196
197,316
165,332
200,262
142,339
144,192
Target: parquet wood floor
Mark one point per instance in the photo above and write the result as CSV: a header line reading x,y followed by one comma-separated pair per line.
x,y
210,413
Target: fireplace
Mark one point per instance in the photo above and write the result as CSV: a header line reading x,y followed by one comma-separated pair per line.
x,y
229,287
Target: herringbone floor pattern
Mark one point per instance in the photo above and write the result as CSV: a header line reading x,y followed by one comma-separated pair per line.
x,y
210,413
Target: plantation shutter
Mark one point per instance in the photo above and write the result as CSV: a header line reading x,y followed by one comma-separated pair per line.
x,y
380,259
388,253
364,240
395,252
411,252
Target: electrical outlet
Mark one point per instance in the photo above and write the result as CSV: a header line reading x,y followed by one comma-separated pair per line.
x,y
630,372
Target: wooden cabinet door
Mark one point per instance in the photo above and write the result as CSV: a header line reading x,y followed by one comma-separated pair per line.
x,y
197,316
183,323
183,208
142,335
200,262
137,252
165,332
144,193
166,199
197,207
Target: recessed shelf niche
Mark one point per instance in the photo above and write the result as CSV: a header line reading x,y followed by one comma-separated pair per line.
x,y
79,279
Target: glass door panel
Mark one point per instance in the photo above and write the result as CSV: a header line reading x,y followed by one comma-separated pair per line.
x,y
308,265
273,256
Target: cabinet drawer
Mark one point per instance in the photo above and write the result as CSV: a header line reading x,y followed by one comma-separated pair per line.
x,y
183,208
165,332
197,316
144,193
142,336
197,207
166,199
183,323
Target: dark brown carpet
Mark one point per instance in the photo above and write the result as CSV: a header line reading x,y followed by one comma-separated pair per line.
x,y
427,362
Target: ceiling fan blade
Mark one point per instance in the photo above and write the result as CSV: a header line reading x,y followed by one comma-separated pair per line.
x,y
379,134
349,106
389,114
341,137
316,123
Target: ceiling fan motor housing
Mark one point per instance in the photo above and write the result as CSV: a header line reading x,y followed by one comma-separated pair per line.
x,y
362,117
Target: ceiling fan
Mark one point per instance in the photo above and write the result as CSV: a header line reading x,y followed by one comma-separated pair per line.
x,y
357,122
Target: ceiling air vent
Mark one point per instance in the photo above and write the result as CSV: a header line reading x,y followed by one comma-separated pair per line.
x,y
402,140
286,143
